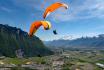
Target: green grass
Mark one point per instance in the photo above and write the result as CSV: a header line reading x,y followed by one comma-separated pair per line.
x,y
19,61
16,61
100,61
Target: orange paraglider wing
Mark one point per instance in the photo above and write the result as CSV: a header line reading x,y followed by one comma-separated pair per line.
x,y
53,7
35,25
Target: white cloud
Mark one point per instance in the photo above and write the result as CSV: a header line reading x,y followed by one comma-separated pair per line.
x,y
72,36
78,9
89,9
5,9
33,4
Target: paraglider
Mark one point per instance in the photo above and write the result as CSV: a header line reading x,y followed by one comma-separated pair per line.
x,y
35,25
53,7
46,24
55,32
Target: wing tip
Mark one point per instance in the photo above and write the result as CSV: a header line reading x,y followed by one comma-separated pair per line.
x,y
66,6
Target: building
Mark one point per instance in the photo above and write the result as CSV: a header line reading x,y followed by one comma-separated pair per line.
x,y
57,65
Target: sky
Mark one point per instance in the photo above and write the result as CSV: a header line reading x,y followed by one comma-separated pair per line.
x,y
82,18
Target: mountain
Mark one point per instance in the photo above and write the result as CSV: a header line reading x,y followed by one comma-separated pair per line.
x,y
89,42
14,42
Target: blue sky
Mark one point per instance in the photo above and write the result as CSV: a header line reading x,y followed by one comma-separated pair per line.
x,y
83,18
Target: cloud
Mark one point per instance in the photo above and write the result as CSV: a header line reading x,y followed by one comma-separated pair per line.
x,y
74,36
79,9
88,9
5,9
33,4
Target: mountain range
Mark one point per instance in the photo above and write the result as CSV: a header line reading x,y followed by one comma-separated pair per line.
x,y
15,42
83,42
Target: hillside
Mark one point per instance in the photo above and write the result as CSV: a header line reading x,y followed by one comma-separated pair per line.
x,y
89,42
15,42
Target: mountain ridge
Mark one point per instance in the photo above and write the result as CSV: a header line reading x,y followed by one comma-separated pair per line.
x,y
13,39
79,42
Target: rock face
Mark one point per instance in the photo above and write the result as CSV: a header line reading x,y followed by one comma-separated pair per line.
x,y
13,39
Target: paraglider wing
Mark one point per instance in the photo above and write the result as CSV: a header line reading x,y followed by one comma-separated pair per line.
x,y
53,7
46,25
35,25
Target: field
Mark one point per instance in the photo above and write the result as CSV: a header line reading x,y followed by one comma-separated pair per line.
x,y
62,60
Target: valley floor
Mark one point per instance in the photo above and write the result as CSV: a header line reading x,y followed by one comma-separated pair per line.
x,y
62,60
